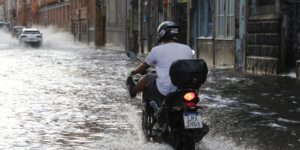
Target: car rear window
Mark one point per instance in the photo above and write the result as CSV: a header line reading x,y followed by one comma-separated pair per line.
x,y
19,30
31,32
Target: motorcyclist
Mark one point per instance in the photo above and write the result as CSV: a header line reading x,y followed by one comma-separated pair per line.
x,y
161,57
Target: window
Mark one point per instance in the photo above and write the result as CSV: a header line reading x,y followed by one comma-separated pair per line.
x,y
224,18
205,18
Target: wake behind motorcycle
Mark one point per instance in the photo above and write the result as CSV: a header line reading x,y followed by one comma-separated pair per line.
x,y
176,119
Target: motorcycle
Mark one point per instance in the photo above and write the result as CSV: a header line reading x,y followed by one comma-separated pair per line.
x,y
176,119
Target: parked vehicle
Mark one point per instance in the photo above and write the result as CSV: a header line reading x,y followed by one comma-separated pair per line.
x,y
17,30
4,25
176,119
30,36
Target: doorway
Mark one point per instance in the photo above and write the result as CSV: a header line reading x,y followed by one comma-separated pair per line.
x,y
292,35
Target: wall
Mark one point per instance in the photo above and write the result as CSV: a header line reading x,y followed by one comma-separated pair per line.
x,y
2,12
79,13
115,23
216,51
206,51
48,2
21,13
56,14
298,40
263,49
91,12
224,53
11,12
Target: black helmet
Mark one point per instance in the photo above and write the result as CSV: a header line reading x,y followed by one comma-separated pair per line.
x,y
168,30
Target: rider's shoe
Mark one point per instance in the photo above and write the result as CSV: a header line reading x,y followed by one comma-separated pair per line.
x,y
130,86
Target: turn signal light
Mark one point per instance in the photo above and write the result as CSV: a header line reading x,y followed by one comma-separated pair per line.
x,y
189,96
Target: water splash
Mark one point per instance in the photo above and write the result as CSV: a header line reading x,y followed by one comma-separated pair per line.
x,y
58,38
7,41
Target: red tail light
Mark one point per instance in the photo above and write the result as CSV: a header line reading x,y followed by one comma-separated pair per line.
x,y
190,104
189,96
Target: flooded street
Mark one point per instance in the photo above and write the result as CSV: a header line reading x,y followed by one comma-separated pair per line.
x,y
69,96
258,112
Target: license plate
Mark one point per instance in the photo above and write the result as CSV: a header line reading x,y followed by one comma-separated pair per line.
x,y
192,120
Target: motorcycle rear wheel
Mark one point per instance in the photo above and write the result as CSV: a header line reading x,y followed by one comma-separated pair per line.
x,y
183,142
148,121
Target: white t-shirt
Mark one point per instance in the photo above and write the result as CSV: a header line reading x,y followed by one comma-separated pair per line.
x,y
162,57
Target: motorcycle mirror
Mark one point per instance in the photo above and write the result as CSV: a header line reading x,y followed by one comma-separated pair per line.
x,y
131,54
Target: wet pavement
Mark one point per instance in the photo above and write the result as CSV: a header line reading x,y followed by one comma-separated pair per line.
x,y
69,96
261,112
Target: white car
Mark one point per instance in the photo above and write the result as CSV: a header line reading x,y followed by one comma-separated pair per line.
x,y
31,37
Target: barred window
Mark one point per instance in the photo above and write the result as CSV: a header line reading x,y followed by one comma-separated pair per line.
x,y
205,18
225,18
266,2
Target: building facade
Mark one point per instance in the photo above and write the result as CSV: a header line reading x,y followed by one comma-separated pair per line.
x,y
83,18
3,10
256,36
214,32
53,12
259,37
11,13
116,23
88,20
21,12
273,37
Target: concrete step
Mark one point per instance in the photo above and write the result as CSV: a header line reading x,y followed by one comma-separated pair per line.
x,y
262,65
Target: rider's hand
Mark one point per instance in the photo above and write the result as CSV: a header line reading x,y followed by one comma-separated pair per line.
x,y
132,72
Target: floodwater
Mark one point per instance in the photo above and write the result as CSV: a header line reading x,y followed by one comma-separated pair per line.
x,y
261,112
66,95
